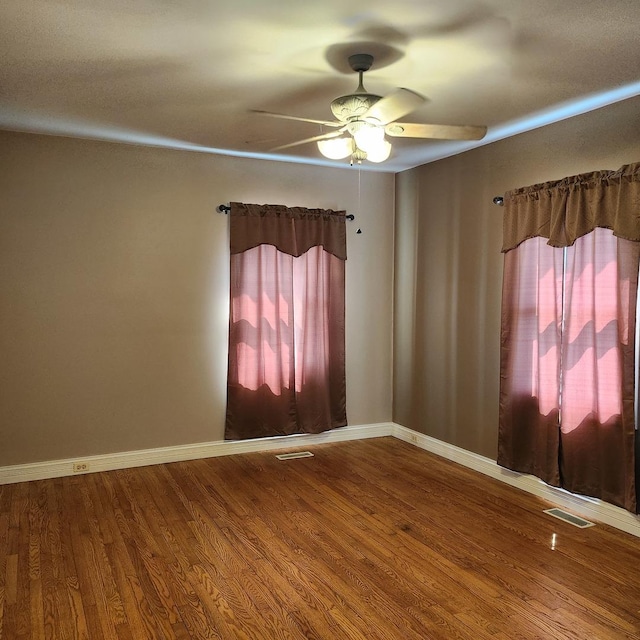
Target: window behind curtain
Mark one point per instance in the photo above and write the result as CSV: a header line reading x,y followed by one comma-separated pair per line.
x,y
286,338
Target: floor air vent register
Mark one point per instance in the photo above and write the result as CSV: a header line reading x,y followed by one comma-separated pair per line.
x,y
293,456
570,518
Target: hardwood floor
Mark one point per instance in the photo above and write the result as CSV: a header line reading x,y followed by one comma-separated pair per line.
x,y
372,539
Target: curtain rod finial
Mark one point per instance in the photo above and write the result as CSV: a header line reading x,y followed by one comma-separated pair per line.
x,y
499,200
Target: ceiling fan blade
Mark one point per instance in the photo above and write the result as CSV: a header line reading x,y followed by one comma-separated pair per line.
x,y
438,131
326,123
324,136
395,105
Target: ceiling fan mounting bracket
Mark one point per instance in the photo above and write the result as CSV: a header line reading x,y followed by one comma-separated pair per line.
x,y
360,62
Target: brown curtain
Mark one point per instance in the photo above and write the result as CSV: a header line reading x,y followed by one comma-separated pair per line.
x,y
566,209
598,368
287,311
292,230
529,436
567,385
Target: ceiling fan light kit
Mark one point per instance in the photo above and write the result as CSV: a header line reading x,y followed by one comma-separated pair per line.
x,y
367,138
365,118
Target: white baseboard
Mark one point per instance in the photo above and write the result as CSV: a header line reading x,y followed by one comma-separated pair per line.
x,y
589,508
585,507
145,457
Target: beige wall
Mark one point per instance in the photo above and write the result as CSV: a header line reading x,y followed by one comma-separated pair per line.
x,y
114,291
448,267
114,276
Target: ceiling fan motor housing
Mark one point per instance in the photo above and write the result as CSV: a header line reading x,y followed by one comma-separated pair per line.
x,y
346,108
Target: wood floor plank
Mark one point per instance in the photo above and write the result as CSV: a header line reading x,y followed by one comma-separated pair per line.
x,y
373,539
278,516
377,561
143,590
228,557
366,568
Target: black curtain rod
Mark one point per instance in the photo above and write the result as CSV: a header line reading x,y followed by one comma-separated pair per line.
x,y
225,208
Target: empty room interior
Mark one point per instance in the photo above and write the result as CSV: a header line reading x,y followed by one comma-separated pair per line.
x,y
427,435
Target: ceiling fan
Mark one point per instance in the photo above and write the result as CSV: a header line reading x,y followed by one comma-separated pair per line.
x,y
363,120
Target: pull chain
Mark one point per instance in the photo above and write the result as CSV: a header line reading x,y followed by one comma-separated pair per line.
x,y
359,196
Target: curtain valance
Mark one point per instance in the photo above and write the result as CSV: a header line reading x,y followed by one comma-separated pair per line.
x,y
564,210
292,230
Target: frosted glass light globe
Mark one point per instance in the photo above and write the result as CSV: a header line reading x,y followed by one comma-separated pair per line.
x,y
336,148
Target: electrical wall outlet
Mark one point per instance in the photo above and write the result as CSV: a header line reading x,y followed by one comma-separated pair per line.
x,y
80,467
413,438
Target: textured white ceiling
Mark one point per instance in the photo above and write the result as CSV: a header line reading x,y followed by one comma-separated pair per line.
x,y
187,74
